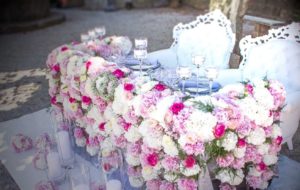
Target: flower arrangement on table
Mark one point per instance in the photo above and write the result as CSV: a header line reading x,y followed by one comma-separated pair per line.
x,y
168,140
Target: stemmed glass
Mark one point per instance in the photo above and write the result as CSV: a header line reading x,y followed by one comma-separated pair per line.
x,y
198,60
211,74
92,34
140,51
100,31
84,38
184,73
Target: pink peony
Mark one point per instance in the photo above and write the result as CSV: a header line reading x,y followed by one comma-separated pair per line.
x,y
170,163
53,100
118,73
219,130
165,185
128,87
153,184
86,100
261,166
56,68
87,65
225,161
152,159
64,48
241,143
187,184
279,140
160,87
177,107
249,88
72,100
189,161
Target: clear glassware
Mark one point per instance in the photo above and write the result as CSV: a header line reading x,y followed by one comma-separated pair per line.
x,y
84,38
184,73
100,31
211,74
140,54
141,43
92,34
55,171
198,61
79,177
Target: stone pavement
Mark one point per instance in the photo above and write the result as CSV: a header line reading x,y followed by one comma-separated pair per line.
x,y
23,87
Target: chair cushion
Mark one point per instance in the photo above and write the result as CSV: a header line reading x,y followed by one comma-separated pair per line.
x,y
277,59
210,40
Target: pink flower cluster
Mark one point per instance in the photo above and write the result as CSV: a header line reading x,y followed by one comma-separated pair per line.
x,y
21,143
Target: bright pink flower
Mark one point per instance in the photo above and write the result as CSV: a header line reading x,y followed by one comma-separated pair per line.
x,y
219,130
53,100
177,107
64,48
118,73
78,133
87,65
160,87
86,100
126,126
128,87
279,140
72,100
189,162
261,166
152,159
241,143
101,126
249,88
56,68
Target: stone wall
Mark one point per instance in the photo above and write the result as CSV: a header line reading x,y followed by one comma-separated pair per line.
x,y
23,10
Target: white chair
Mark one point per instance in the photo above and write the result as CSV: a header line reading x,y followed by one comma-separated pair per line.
x,y
209,35
277,56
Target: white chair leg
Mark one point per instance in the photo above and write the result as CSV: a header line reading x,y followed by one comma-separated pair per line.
x,y
290,143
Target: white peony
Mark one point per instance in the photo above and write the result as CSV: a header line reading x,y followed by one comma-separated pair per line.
x,y
136,181
169,146
148,86
201,124
149,173
132,160
239,152
264,98
233,178
133,134
120,104
190,171
136,103
229,141
189,138
98,64
256,136
270,159
95,114
276,131
153,142
169,176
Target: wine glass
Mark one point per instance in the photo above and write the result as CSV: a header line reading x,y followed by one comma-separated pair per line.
x,y
211,74
141,43
184,73
100,31
92,34
140,55
198,60
84,38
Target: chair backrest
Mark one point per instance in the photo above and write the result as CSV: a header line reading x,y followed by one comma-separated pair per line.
x,y
275,55
210,35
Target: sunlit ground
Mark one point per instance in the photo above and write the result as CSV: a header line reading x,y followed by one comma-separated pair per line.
x,y
10,77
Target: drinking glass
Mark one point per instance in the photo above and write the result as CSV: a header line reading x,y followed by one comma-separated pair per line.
x,y
92,34
184,73
198,61
100,31
84,38
211,74
140,54
141,43
79,177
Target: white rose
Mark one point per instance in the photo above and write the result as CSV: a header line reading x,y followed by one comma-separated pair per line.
x,y
161,109
270,159
136,103
264,98
153,142
263,148
202,124
239,152
149,173
133,134
136,181
120,103
169,146
257,136
229,141
133,160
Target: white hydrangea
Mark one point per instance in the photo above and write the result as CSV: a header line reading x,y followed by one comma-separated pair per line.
x,y
190,171
226,176
263,148
229,141
133,134
123,43
136,181
239,152
256,136
201,124
169,146
270,159
149,173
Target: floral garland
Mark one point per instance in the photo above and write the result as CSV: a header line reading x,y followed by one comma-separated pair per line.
x,y
168,141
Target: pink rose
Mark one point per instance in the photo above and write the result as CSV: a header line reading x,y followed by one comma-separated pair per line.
x,y
86,100
101,126
189,162
56,68
152,159
279,140
87,65
160,87
219,130
53,100
177,107
261,166
241,143
72,100
249,88
118,73
128,87
64,48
